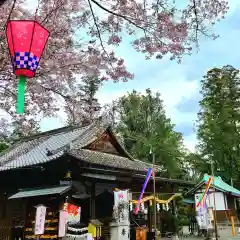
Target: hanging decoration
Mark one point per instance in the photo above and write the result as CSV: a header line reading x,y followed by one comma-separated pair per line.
x,y
149,173
203,198
202,208
62,223
40,219
26,41
74,213
121,205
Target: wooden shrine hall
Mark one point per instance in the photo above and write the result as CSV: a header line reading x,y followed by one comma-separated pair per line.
x,y
78,165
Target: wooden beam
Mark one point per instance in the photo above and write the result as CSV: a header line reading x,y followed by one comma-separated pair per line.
x,y
92,200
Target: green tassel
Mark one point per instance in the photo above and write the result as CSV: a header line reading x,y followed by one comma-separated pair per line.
x,y
21,95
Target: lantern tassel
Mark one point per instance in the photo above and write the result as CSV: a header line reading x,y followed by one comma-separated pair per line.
x,y
21,95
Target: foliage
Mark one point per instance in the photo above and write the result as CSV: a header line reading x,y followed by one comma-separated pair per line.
x,y
183,213
172,223
143,125
218,124
83,38
194,165
83,106
3,146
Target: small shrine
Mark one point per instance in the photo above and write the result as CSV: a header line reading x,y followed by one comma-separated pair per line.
x,y
88,187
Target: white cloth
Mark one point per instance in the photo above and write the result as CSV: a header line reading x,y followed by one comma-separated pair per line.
x,y
202,219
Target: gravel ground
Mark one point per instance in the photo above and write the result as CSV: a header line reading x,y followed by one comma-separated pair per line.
x,y
225,233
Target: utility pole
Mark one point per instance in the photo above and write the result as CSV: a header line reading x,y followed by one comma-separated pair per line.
x,y
214,199
154,194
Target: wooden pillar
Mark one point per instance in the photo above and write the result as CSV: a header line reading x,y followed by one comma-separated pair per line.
x,y
92,200
150,215
173,202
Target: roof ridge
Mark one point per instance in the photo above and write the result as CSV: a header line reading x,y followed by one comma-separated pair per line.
x,y
51,132
58,130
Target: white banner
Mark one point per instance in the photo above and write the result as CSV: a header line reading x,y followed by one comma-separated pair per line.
x,y
121,205
202,219
63,215
40,219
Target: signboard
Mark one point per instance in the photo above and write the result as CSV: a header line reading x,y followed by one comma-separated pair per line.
x,y
40,219
220,200
63,215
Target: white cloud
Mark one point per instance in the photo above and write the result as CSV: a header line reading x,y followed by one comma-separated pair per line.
x,y
190,142
171,83
173,87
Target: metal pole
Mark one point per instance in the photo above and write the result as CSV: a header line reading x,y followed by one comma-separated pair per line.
x,y
154,195
214,199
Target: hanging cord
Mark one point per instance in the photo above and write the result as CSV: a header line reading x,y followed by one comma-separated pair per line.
x,y
10,13
35,17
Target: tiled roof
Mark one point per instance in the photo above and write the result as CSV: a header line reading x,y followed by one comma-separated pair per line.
x,y
32,151
110,160
51,145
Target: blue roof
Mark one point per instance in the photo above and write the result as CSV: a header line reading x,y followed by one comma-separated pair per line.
x,y
221,185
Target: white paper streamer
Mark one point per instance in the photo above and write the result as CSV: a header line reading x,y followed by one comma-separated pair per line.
x,y
77,229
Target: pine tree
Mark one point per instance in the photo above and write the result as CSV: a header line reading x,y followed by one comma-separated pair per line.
x,y
89,88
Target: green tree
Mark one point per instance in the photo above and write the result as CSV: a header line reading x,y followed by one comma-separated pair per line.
x,y
143,124
218,121
195,166
3,145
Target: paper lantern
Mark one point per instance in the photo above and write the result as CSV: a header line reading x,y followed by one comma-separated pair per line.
x,y
26,42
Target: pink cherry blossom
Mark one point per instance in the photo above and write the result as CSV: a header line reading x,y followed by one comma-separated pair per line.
x,y
83,38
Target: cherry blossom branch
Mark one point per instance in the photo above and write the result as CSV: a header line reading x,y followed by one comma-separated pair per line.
x,y
96,24
51,12
117,14
196,20
55,91
9,91
63,66
125,18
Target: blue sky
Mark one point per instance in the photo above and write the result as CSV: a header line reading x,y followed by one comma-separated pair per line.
x,y
179,84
